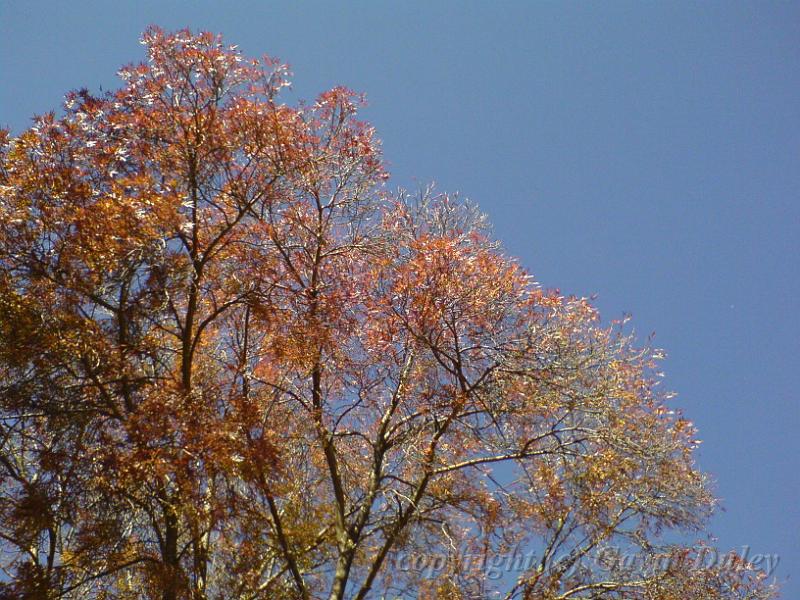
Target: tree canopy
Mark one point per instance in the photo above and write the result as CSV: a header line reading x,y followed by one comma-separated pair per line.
x,y
235,365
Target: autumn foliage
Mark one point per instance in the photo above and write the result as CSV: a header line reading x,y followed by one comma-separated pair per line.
x,y
233,365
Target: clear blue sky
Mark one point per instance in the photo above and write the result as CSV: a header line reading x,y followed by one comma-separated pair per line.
x,y
647,152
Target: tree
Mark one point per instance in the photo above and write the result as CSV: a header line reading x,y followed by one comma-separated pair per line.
x,y
235,366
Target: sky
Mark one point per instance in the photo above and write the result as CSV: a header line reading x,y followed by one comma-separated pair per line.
x,y
648,153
